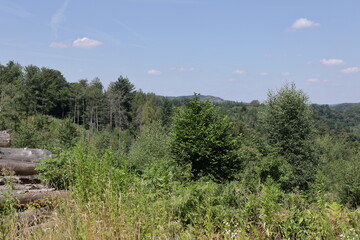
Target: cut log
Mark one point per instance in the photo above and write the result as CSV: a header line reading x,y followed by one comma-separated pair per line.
x,y
23,191
19,167
5,139
29,179
23,154
23,187
38,197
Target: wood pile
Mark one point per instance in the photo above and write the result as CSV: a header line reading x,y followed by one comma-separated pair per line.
x,y
25,184
19,182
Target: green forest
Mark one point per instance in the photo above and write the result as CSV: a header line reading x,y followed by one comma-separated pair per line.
x,y
142,166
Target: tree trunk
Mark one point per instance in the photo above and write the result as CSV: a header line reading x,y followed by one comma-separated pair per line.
x,y
19,167
23,154
40,197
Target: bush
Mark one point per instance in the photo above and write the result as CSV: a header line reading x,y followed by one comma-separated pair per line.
x,y
339,173
202,138
150,147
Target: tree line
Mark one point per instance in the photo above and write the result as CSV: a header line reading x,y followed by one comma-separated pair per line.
x,y
30,90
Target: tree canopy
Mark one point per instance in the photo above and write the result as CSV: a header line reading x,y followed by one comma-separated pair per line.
x,y
203,138
288,125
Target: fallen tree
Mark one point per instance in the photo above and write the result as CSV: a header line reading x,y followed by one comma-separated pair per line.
x,y
24,154
36,197
18,167
28,179
22,183
24,187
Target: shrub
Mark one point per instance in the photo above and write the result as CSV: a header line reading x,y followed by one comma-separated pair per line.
x,y
202,138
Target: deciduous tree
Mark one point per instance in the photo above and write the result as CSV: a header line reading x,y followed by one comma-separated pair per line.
x,y
287,124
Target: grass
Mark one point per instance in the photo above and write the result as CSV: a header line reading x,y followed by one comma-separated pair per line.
x,y
139,216
109,202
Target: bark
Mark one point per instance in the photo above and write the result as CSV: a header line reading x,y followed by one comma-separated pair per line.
x,y
19,192
23,154
29,179
18,167
38,197
24,187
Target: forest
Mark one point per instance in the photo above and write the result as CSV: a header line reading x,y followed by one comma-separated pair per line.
x,y
142,166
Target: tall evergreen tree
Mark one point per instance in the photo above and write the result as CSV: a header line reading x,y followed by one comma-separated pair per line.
x,y
203,138
96,104
120,95
11,94
46,91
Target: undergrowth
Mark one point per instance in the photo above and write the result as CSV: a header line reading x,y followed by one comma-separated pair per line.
x,y
110,200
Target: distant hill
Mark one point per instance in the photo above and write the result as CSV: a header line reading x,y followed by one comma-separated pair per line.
x,y
212,99
346,106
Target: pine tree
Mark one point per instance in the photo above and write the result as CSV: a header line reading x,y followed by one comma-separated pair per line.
x,y
203,138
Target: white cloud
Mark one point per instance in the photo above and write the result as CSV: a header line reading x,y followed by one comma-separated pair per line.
x,y
302,23
58,45
313,80
351,70
332,62
154,72
182,69
264,74
240,72
86,43
285,74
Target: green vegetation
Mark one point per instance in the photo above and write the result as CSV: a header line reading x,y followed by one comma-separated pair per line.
x,y
288,126
141,166
203,139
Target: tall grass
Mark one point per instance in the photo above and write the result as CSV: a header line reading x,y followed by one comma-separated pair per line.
x,y
112,201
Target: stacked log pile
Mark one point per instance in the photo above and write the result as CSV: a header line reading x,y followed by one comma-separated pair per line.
x,y
25,184
19,181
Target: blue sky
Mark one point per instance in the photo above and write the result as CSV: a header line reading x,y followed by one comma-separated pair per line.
x,y
236,50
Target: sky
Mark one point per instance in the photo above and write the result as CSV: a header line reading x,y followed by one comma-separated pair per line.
x,y
234,49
